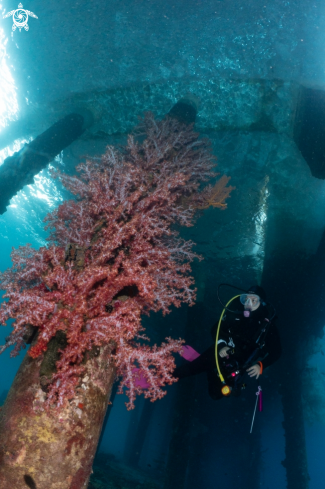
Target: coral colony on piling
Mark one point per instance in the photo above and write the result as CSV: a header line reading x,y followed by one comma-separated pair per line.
x,y
114,254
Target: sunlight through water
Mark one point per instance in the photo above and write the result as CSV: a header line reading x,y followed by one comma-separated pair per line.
x,y
8,93
24,215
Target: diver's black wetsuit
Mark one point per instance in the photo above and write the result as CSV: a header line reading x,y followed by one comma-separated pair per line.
x,y
240,334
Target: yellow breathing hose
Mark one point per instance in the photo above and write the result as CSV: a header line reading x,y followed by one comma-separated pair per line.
x,y
217,338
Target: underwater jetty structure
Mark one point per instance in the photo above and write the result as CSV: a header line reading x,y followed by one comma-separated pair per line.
x,y
302,310
114,254
275,182
271,233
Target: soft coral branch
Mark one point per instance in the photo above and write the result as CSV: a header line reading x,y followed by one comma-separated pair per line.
x,y
114,255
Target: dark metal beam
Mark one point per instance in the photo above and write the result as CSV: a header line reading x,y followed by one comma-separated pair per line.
x,y
19,169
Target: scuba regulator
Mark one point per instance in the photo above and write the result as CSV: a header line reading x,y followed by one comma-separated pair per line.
x,y
238,372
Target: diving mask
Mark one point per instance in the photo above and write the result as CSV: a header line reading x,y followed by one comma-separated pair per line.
x,y
250,302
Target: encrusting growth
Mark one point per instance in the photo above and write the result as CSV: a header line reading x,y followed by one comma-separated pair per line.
x,y
113,255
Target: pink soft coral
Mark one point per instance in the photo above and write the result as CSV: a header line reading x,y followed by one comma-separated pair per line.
x,y
114,255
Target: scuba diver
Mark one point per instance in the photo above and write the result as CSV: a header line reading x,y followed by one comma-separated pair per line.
x,y
246,342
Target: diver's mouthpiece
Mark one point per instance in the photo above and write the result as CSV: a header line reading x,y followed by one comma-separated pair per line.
x,y
247,314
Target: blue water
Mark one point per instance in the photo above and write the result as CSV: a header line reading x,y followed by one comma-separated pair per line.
x,y
119,58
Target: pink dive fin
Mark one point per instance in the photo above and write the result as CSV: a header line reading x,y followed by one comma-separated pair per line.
x,y
141,381
189,353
